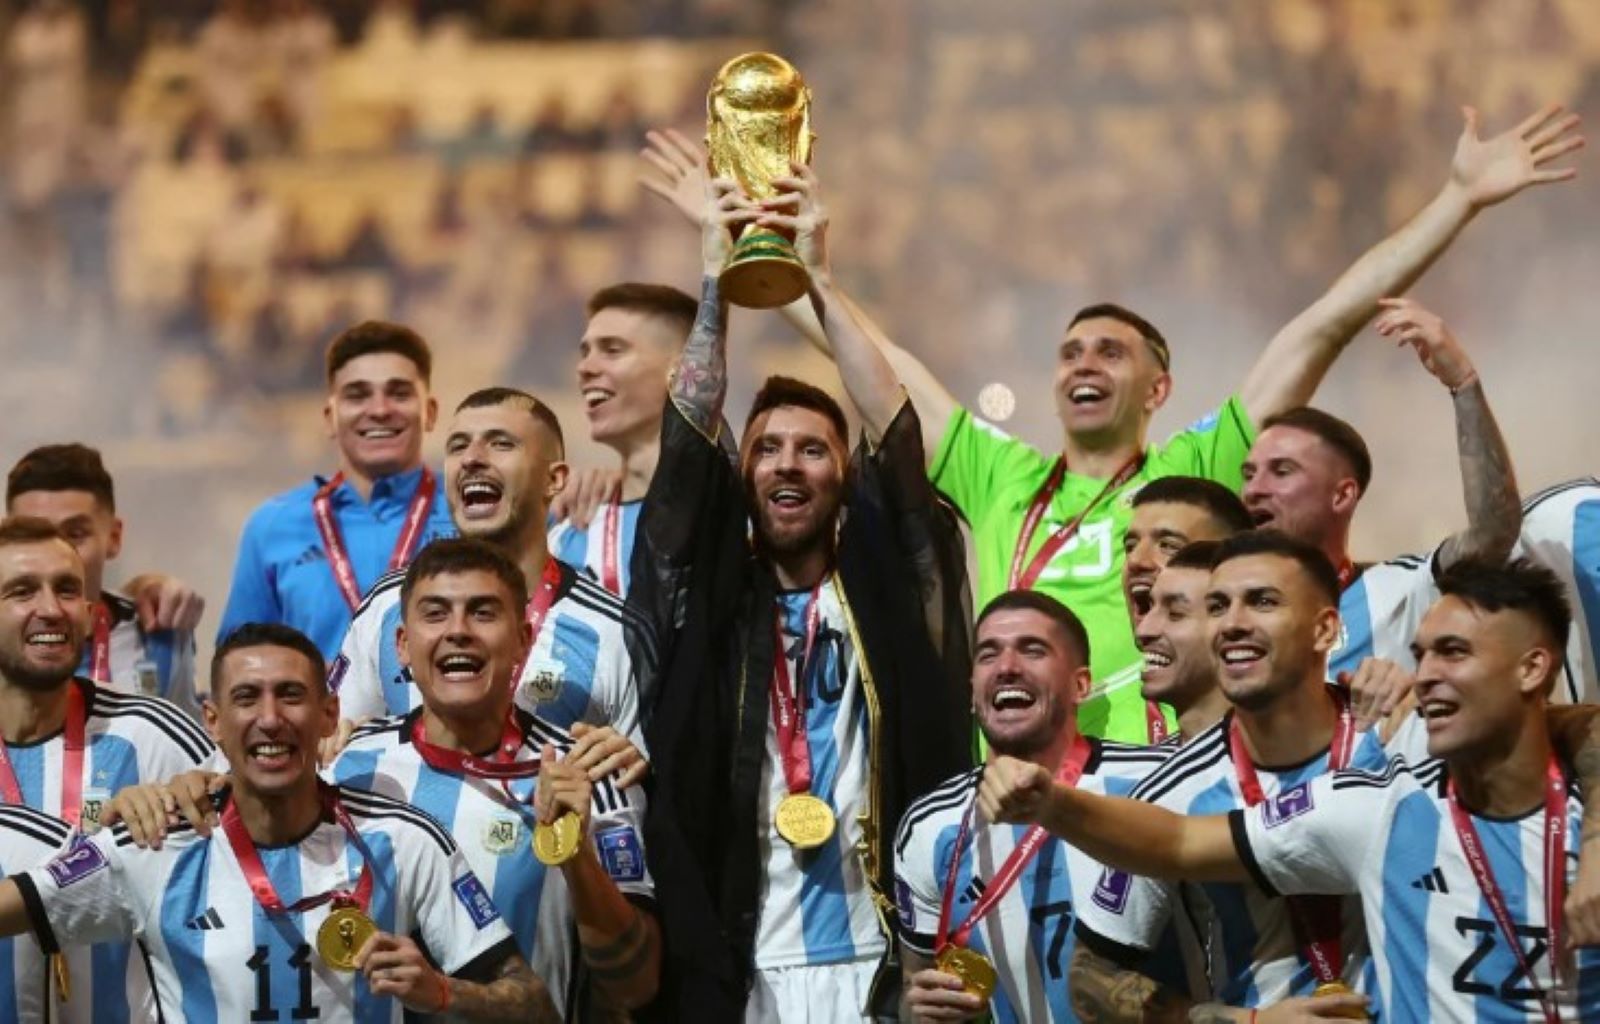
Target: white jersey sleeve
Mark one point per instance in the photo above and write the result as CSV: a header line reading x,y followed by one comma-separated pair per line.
x,y
1561,530
918,889
1380,610
356,674
1316,837
82,895
458,921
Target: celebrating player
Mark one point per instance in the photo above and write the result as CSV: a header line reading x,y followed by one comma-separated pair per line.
x,y
69,742
811,688
986,911
1307,471
591,656
309,900
307,555
1168,513
67,484
488,772
1178,669
1461,862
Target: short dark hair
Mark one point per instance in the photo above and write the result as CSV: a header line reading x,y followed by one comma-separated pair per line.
x,y
1312,560
1197,554
1520,585
661,300
451,555
1221,504
1146,329
486,398
1044,604
1333,432
267,634
373,336
779,391
62,467
29,530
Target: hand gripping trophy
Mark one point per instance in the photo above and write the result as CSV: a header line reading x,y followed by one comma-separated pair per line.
x,y
758,119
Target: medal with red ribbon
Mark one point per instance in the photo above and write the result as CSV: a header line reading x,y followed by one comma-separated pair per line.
x,y
951,955
344,573
803,820
1555,879
537,610
100,644
71,761
347,926
1024,574
1317,920
610,544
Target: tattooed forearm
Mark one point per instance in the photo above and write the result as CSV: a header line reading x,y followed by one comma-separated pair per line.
x,y
700,381
516,994
1488,480
1104,993
626,967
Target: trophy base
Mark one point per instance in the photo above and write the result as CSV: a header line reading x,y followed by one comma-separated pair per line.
x,y
763,272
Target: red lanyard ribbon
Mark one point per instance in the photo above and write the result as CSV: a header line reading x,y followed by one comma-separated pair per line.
x,y
100,645
539,602
1347,574
1555,878
501,765
1317,920
789,700
344,573
610,530
1155,722
1068,774
71,762
1020,578
255,873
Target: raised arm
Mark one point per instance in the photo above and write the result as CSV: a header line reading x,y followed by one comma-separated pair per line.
x,y
1483,173
1494,510
1129,835
675,171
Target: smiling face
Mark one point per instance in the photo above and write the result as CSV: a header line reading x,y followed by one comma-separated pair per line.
x,y
793,462
1478,674
1108,383
463,638
44,613
1296,482
1157,531
501,471
377,410
1173,638
269,711
624,361
1028,678
1269,628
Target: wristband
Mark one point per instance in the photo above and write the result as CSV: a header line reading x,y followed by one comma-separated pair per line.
x,y
444,993
1466,382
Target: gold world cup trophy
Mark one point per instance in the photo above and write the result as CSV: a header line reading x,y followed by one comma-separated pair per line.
x,y
758,119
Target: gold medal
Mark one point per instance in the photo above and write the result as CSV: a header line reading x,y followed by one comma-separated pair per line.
x,y
342,935
1338,988
973,968
556,843
804,821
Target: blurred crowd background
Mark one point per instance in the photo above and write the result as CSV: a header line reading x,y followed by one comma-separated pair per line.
x,y
195,196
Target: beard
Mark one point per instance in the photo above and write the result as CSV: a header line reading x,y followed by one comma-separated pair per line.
x,y
18,672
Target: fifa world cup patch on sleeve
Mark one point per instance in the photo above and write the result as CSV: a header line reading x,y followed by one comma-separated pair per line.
x,y
80,860
1111,892
476,899
903,903
1291,803
621,854
336,671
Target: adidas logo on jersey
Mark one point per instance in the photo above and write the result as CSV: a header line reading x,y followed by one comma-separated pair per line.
x,y
210,921
1433,881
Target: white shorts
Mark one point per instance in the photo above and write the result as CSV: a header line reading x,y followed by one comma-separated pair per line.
x,y
811,994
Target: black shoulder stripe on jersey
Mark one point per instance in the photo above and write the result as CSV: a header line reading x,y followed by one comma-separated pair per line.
x,y
954,793
1407,561
36,825
1540,497
1201,755
161,713
120,835
536,732
637,632
378,726
387,582
1132,753
366,804
1356,778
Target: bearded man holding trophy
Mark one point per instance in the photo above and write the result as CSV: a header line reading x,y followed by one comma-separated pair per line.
x,y
813,610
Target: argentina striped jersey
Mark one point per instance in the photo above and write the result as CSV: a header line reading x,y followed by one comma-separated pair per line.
x,y
584,548
1561,530
28,992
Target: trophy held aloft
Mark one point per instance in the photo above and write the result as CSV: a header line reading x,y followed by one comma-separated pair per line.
x,y
758,119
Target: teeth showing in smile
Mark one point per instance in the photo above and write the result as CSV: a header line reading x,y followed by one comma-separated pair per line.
x,y
379,433
1156,659
1086,393
788,496
1011,697
1436,709
460,665
479,492
1241,655
594,396
47,639
269,749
